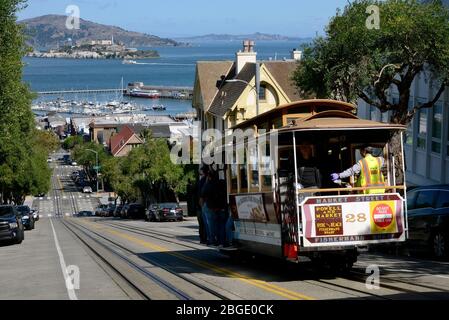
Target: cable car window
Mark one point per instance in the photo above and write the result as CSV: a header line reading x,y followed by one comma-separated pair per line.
x,y
265,168
253,158
243,171
234,178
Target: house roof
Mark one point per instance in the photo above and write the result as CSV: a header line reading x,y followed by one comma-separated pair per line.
x,y
228,94
209,72
160,131
118,141
282,71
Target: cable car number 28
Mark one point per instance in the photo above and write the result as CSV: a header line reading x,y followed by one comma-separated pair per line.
x,y
351,218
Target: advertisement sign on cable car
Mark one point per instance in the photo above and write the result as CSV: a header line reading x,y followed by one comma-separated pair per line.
x,y
352,220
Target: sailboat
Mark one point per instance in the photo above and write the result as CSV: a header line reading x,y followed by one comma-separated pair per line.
x,y
115,103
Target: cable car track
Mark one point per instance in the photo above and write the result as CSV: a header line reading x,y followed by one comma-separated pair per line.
x,y
95,245
180,293
353,276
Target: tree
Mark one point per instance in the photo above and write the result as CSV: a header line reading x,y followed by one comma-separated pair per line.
x,y
84,156
72,141
47,140
353,61
147,171
23,150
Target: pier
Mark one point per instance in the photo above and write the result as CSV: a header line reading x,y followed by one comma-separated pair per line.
x,y
59,92
166,92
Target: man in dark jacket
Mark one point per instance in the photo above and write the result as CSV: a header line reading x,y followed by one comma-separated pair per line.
x,y
211,197
202,222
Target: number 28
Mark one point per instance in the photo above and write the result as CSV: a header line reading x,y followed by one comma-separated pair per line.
x,y
361,217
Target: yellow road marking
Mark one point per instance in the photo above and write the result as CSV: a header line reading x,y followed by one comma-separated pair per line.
x,y
286,293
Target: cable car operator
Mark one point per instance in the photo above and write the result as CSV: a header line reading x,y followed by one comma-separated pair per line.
x,y
369,171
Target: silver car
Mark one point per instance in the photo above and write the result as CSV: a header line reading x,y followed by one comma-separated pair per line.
x,y
87,189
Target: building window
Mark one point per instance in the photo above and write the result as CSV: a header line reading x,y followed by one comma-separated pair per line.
x,y
422,128
437,125
263,93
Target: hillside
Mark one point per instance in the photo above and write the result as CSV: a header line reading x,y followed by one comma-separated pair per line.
x,y
229,37
50,31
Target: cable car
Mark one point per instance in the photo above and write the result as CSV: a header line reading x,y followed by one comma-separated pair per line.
x,y
276,212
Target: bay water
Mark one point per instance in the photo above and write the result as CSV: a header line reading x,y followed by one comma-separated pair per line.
x,y
175,67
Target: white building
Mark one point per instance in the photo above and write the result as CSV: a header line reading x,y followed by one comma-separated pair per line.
x,y
427,138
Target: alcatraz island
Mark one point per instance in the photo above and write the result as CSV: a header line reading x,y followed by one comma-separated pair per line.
x,y
96,49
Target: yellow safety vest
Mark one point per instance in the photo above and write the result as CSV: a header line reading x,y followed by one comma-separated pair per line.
x,y
371,175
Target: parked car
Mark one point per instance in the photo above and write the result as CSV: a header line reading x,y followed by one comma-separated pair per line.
x,y
117,210
49,159
428,220
36,215
74,164
67,159
27,217
74,175
87,189
85,213
110,210
168,211
135,211
99,211
11,226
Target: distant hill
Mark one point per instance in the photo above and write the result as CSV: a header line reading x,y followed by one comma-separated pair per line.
x,y
50,30
229,37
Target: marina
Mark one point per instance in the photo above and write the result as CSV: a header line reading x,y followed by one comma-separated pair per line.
x,y
95,108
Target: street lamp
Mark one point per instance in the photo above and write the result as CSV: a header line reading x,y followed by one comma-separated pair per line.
x,y
96,167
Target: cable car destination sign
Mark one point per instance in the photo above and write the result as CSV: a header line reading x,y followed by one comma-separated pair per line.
x,y
352,220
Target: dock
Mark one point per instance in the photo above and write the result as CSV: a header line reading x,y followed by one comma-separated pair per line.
x,y
166,92
59,92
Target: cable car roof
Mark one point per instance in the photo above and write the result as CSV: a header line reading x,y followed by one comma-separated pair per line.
x,y
305,104
338,120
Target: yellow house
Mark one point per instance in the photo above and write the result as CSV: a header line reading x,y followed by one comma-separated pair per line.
x,y
225,91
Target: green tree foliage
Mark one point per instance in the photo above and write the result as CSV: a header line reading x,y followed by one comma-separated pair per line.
x,y
47,140
147,172
353,61
83,156
72,141
23,150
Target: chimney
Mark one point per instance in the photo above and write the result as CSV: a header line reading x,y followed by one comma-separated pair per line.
x,y
296,54
247,55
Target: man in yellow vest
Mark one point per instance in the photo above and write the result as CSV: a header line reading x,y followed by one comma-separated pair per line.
x,y
369,171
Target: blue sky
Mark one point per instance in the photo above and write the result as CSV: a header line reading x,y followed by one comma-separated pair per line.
x,y
177,18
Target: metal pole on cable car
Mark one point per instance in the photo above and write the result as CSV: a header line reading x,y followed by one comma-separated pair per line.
x,y
296,185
